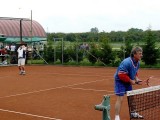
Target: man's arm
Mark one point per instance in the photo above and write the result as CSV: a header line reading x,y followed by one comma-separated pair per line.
x,y
137,80
125,78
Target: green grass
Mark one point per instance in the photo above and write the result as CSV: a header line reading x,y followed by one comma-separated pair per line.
x,y
35,62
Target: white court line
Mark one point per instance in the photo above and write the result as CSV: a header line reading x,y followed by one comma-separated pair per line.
x,y
4,76
37,91
74,75
91,90
28,114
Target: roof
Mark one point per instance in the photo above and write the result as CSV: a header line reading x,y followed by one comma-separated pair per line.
x,y
26,40
10,27
2,37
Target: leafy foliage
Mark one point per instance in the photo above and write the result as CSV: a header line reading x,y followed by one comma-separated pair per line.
x,y
150,53
102,53
93,53
101,50
74,53
106,55
49,52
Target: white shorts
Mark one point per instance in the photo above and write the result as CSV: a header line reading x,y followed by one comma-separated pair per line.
x,y
21,61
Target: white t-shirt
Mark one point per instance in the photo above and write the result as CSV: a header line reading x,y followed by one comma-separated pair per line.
x,y
21,52
13,47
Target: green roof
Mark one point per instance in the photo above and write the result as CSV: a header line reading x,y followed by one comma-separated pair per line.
x,y
27,40
2,38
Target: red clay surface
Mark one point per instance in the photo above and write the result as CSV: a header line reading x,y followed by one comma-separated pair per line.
x,y
58,92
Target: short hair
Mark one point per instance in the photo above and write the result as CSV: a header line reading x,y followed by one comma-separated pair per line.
x,y
135,50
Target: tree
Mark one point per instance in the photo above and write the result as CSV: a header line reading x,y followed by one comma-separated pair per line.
x,y
101,52
128,48
71,37
106,55
125,49
93,54
116,36
49,52
94,30
134,35
150,53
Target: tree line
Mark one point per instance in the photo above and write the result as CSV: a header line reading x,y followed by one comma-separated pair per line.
x,y
132,35
101,49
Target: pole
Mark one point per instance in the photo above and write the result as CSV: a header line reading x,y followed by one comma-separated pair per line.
x,y
31,38
77,49
124,48
105,108
62,51
54,50
20,30
31,26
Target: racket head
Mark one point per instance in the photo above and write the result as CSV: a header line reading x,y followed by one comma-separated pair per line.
x,y
147,82
152,81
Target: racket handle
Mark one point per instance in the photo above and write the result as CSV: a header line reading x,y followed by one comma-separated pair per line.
x,y
137,82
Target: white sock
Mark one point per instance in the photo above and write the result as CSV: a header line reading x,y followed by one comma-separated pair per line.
x,y
117,117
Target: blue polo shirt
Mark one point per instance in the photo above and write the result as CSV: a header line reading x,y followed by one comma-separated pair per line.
x,y
130,67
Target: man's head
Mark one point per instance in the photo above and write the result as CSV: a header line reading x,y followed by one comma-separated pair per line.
x,y
136,53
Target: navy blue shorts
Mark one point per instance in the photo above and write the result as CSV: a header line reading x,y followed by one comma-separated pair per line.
x,y
121,87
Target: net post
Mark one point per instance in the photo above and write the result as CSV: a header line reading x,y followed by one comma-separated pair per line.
x,y
104,107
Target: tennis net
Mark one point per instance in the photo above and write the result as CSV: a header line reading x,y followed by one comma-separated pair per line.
x,y
144,103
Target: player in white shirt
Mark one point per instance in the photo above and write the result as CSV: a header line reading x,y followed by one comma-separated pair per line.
x,y
21,59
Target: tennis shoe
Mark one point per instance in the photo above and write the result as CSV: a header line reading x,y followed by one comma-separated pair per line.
x,y
136,115
21,72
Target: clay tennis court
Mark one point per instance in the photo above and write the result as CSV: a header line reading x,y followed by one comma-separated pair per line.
x,y
59,93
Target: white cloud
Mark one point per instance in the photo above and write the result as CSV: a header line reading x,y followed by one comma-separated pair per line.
x,y
82,15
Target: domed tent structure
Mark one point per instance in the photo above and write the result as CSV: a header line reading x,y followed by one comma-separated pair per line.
x,y
18,31
21,29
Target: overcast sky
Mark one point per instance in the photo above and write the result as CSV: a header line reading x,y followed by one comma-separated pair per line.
x,y
72,16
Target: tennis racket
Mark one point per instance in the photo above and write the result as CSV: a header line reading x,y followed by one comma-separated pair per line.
x,y
152,81
145,82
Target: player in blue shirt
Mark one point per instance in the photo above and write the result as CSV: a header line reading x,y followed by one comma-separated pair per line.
x,y
126,76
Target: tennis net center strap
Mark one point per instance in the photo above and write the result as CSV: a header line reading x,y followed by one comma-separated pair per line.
x,y
144,103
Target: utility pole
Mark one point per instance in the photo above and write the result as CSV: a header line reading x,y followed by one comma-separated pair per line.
x,y
21,31
124,48
31,38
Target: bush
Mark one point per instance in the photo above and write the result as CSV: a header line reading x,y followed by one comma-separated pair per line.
x,y
107,55
93,53
49,52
